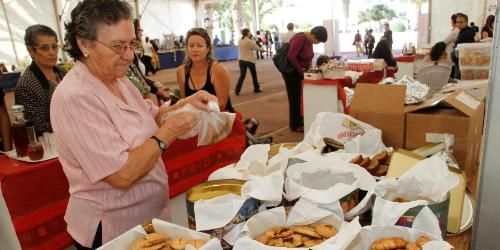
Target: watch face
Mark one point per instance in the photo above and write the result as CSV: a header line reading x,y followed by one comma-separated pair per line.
x,y
163,146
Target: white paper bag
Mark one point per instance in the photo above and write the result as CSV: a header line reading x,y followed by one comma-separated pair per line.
x,y
337,126
211,128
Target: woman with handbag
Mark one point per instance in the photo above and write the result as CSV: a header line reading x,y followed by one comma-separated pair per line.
x,y
300,55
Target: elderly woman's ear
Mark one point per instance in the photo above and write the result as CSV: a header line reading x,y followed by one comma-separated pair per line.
x,y
83,45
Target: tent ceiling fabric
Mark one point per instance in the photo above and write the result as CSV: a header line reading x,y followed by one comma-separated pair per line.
x,y
159,17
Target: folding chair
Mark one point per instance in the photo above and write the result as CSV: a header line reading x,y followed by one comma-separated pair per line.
x,y
434,75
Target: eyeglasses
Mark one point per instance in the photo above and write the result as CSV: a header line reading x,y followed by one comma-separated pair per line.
x,y
47,47
120,48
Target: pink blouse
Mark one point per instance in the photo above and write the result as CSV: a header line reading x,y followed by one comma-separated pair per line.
x,y
95,132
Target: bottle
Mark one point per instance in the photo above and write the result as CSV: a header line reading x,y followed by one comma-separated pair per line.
x,y
35,148
19,133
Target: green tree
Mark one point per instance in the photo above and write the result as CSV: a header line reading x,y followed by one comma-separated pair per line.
x,y
223,16
376,13
236,14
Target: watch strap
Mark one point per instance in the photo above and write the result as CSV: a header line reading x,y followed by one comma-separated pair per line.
x,y
161,144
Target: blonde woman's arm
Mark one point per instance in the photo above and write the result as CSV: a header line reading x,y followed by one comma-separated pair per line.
x,y
222,84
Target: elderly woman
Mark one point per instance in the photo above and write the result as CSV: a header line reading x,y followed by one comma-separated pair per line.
x,y
109,141
37,84
300,55
201,72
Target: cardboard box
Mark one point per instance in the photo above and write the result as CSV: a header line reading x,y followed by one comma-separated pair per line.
x,y
458,114
381,106
410,127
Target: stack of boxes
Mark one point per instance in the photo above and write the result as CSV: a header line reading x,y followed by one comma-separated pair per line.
x,y
474,60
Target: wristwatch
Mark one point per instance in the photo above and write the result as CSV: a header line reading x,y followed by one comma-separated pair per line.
x,y
161,144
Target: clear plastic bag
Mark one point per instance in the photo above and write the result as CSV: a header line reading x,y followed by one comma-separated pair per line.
x,y
212,127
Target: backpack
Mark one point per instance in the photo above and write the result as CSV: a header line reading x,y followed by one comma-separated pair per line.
x,y
280,60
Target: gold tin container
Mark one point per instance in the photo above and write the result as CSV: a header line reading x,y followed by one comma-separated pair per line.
x,y
212,189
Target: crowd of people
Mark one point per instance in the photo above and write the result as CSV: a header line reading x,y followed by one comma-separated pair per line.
x,y
106,125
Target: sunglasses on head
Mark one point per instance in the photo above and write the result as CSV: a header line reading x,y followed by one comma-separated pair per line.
x,y
198,30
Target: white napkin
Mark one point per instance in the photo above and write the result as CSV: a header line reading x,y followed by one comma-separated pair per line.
x,y
216,212
264,188
263,221
254,159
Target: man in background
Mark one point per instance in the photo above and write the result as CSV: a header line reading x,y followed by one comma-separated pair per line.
x,y
287,36
388,34
370,42
216,41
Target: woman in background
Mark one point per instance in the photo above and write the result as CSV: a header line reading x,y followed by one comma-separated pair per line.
x,y
383,51
438,54
201,72
487,30
247,60
300,55
37,84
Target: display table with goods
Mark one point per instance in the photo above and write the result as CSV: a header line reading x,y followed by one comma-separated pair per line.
x,y
406,65
36,194
341,187
323,95
304,190
171,58
226,53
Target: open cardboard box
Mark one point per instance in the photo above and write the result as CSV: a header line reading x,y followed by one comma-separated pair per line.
x,y
410,127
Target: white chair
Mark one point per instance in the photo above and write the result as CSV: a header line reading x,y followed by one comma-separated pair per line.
x,y
435,75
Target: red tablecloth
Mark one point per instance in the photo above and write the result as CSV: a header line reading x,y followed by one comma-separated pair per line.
x,y
37,194
407,59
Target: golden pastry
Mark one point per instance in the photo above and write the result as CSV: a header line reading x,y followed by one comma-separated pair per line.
x,y
389,244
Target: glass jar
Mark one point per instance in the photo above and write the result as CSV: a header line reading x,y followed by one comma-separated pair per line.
x,y
35,149
19,133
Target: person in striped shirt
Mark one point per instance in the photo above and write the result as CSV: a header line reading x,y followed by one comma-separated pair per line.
x,y
108,137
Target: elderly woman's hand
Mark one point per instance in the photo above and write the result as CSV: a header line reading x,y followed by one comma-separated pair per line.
x,y
200,100
177,124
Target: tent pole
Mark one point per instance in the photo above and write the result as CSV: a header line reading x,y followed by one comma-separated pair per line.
x,y
10,33
59,30
137,15
197,7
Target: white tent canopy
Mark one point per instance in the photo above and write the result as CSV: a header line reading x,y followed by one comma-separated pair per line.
x,y
158,17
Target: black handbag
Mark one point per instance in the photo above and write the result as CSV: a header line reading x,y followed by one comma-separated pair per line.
x,y
280,60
